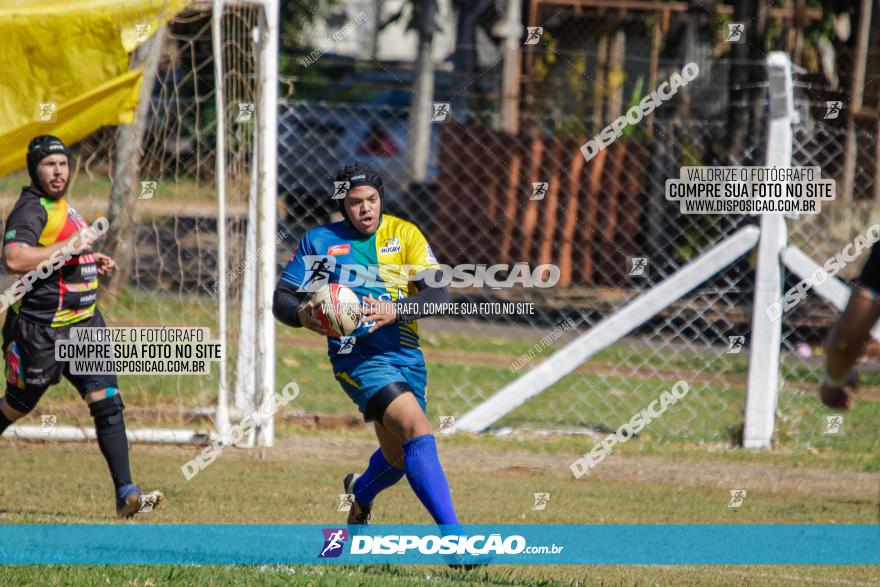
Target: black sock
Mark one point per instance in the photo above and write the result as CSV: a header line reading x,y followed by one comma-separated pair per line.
x,y
110,430
4,422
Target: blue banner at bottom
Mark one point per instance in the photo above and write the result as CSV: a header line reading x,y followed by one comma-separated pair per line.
x,y
612,544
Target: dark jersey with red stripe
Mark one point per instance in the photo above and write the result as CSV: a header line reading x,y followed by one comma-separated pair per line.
x,y
69,294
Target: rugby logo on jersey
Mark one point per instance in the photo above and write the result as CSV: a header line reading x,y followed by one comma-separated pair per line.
x,y
336,250
88,299
391,246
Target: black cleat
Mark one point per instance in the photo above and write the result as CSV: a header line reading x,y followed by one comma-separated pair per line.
x,y
357,515
130,501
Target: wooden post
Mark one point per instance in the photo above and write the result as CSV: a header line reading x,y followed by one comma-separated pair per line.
x,y
599,86
530,52
511,70
800,23
126,168
510,206
571,217
421,112
597,164
858,92
551,203
658,29
616,72
530,215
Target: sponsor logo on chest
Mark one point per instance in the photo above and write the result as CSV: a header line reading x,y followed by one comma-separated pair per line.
x,y
336,250
390,247
88,270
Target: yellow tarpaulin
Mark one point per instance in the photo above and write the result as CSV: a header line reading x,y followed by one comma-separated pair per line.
x,y
64,67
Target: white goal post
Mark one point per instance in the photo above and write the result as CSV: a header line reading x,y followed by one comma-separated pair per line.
x,y
255,363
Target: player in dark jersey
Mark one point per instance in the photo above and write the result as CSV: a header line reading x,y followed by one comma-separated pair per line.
x,y
41,224
380,366
850,335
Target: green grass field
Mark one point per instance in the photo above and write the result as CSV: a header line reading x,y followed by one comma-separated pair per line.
x,y
89,194
97,187
465,368
680,470
382,576
492,481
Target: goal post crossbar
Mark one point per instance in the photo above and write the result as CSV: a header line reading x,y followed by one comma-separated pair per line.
x,y
75,433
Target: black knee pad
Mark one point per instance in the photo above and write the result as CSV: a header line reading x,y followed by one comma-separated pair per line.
x,y
107,412
24,400
380,401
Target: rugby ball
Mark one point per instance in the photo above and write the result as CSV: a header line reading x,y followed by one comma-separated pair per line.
x,y
338,309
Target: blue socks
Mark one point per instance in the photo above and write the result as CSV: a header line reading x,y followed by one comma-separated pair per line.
x,y
379,476
424,473
426,477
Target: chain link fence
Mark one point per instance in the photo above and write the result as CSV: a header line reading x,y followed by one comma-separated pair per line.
x,y
594,220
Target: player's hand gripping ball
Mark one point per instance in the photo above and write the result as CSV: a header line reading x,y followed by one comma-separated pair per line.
x,y
338,309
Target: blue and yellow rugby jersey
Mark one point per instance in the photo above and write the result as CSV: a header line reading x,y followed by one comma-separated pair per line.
x,y
395,252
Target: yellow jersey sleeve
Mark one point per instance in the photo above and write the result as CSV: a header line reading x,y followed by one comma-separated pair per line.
x,y
418,255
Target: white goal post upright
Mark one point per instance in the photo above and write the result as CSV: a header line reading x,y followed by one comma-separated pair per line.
x,y
267,140
245,376
255,361
766,339
221,417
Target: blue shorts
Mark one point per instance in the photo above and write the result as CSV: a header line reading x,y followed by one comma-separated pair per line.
x,y
361,378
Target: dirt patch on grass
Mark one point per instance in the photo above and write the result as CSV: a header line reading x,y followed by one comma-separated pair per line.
x,y
354,444
756,477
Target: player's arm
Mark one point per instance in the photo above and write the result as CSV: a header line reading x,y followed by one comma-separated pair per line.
x,y
425,303
294,308
429,295
428,299
291,305
20,257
